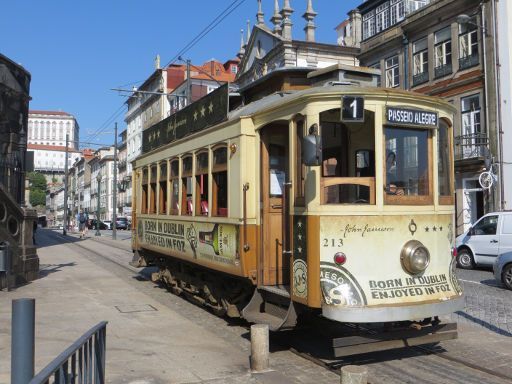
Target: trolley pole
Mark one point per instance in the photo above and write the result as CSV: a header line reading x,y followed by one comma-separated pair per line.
x,y
65,217
114,191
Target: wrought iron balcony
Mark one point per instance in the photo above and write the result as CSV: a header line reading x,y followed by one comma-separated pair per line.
x,y
469,61
443,70
420,78
471,146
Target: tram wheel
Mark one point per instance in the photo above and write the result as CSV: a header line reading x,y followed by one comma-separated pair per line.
x,y
465,259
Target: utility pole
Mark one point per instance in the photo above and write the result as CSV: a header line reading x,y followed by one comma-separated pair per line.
x,y
65,218
189,84
114,191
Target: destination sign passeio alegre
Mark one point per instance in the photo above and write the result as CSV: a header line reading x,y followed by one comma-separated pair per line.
x,y
406,116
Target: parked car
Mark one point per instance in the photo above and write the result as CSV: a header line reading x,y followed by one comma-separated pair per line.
x,y
108,223
502,269
92,224
122,223
488,238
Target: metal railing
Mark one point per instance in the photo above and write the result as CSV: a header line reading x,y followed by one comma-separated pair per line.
x,y
471,146
442,70
83,362
469,61
420,78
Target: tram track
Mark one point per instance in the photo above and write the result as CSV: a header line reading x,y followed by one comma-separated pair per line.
x,y
335,365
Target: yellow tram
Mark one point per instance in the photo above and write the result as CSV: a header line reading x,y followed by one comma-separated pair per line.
x,y
334,198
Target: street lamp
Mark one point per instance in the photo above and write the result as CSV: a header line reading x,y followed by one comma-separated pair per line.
x,y
98,233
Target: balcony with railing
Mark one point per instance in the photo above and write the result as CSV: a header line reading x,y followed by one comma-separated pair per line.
x,y
471,150
420,78
469,61
443,70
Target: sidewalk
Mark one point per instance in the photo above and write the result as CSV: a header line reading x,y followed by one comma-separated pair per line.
x,y
148,340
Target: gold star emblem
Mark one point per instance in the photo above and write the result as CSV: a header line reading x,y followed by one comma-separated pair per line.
x,y
195,115
158,134
210,107
202,111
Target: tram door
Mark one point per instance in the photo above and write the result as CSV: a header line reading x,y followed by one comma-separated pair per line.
x,y
274,268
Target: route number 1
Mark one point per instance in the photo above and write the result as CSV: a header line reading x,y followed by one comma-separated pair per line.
x,y
353,108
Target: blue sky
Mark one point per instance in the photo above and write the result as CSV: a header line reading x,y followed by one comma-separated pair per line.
x,y
77,50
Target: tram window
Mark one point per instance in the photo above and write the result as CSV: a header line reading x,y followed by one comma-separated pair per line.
x,y
407,164
152,190
187,207
444,163
300,169
220,182
348,153
202,184
144,195
175,186
162,193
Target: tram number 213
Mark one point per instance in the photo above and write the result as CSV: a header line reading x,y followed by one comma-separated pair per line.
x,y
332,242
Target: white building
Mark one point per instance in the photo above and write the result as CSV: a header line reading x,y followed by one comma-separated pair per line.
x,y
51,127
50,159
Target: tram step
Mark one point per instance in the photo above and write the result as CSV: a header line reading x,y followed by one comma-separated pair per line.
x,y
271,305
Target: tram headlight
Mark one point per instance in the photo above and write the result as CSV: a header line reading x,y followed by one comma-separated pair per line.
x,y
415,257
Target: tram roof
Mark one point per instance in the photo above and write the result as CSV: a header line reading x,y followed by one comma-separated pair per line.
x,y
279,98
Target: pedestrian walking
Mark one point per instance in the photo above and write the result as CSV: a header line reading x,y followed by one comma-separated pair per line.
x,y
82,219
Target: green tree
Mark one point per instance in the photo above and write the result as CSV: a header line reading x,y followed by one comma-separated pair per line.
x,y
37,188
37,197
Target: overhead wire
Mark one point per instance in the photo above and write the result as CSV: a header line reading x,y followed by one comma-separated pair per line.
x,y
216,21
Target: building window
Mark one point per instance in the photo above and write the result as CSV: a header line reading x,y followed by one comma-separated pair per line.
x,y
468,44
397,11
473,138
420,61
234,69
382,17
414,5
377,66
443,52
392,72
368,25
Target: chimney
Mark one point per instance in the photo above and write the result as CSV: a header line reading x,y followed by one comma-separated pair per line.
x,y
310,27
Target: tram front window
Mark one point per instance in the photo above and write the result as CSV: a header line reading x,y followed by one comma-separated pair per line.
x,y
407,164
348,167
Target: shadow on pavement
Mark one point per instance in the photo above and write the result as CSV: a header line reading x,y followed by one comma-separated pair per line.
x,y
484,324
48,269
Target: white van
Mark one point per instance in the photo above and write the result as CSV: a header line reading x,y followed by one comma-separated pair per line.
x,y
489,237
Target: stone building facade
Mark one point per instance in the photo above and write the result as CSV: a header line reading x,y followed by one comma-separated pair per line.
x,y
16,221
428,47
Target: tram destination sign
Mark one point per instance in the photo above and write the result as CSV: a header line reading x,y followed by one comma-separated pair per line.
x,y
416,117
201,114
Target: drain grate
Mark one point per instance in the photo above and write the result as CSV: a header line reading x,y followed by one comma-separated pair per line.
x,y
135,308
